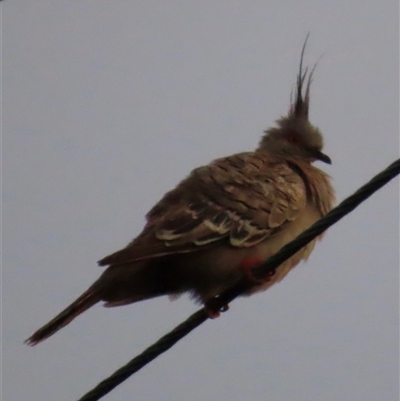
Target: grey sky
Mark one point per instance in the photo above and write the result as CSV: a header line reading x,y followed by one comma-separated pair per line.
x,y
108,104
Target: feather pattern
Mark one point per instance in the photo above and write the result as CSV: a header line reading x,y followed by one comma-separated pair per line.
x,y
241,199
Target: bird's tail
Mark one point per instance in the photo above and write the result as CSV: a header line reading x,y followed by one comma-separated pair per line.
x,y
80,305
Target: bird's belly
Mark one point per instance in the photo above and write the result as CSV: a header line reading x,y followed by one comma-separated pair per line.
x,y
208,272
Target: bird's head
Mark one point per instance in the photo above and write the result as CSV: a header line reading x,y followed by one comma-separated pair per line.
x,y
294,135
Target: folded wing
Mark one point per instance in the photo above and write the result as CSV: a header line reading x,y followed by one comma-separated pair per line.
x,y
240,199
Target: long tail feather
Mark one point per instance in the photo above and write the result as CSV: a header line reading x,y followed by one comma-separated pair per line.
x,y
80,305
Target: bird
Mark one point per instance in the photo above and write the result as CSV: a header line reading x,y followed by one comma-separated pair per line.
x,y
207,233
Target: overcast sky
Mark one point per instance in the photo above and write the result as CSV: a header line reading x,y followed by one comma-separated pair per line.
x,y
107,105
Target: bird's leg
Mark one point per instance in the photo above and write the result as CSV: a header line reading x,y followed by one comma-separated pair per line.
x,y
213,307
246,265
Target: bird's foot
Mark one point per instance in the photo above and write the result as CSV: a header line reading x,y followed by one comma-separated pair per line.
x,y
214,308
246,266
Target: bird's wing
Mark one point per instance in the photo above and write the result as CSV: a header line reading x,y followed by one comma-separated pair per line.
x,y
241,199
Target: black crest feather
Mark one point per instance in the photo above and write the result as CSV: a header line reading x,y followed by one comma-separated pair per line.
x,y
300,105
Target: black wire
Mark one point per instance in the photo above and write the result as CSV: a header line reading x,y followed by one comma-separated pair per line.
x,y
269,266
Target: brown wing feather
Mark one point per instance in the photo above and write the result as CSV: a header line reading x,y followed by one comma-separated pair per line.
x,y
241,199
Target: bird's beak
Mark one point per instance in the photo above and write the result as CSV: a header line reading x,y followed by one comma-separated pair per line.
x,y
318,155
323,157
